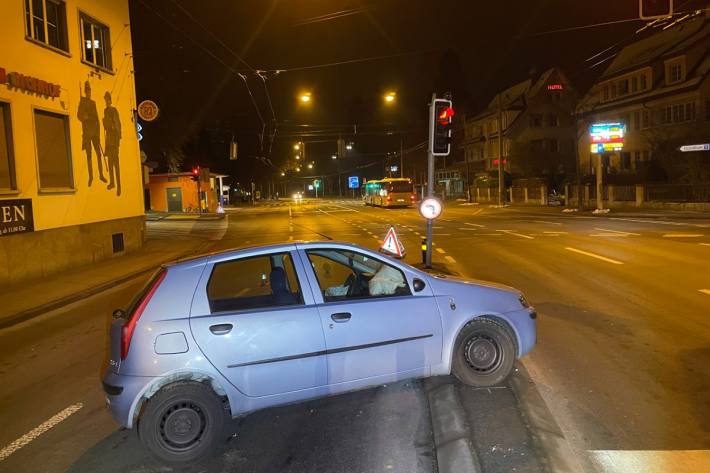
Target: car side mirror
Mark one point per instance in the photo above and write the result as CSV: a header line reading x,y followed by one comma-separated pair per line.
x,y
119,314
418,284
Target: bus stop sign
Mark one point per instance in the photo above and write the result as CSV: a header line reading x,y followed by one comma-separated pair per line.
x,y
353,182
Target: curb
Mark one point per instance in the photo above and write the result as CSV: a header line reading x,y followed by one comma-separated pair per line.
x,y
556,451
28,314
452,435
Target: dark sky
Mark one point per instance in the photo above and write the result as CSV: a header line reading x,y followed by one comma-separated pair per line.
x,y
185,60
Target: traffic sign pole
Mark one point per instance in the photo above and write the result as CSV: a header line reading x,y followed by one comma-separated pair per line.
x,y
430,178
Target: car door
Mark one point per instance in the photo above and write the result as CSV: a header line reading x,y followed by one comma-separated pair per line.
x,y
254,318
368,335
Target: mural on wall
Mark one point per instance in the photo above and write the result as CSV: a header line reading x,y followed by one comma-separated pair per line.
x,y
112,132
106,156
89,118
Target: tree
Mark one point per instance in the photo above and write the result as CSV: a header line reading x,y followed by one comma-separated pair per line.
x,y
175,158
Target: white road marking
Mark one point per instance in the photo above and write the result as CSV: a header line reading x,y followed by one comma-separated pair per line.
x,y
617,231
704,244
510,232
545,221
603,258
449,259
683,235
556,233
39,430
489,234
705,291
660,222
476,212
417,234
469,229
617,235
440,250
373,236
651,461
475,225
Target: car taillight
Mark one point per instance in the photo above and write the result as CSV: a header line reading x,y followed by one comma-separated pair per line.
x,y
130,325
413,197
389,198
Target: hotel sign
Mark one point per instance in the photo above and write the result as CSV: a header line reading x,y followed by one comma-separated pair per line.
x,y
16,216
29,83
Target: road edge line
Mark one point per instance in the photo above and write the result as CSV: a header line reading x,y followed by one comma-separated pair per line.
x,y
547,434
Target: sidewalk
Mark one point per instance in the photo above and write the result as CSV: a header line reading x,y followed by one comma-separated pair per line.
x,y
152,216
558,209
29,299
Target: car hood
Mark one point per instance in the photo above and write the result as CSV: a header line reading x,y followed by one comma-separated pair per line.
x,y
477,294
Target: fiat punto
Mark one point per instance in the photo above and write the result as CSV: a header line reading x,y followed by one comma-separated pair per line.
x,y
226,334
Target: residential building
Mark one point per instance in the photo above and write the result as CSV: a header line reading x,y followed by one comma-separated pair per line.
x,y
658,88
538,131
71,188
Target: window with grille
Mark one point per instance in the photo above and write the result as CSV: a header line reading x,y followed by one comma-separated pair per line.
x,y
46,22
96,46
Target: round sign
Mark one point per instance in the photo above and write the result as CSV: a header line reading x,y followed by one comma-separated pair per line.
x,y
148,110
430,208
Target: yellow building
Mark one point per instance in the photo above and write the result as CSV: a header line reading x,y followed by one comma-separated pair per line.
x,y
71,189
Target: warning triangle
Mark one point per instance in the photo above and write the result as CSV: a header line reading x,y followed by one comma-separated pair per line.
x,y
392,245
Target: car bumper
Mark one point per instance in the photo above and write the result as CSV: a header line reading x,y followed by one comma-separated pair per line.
x,y
122,394
524,322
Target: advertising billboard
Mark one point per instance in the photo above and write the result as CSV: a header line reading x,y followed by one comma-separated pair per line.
x,y
607,137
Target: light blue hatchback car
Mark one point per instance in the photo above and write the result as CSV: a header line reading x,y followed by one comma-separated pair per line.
x,y
229,333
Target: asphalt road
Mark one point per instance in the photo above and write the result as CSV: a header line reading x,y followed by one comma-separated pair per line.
x,y
622,362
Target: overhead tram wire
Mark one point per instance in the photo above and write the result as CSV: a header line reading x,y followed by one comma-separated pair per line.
x,y
243,61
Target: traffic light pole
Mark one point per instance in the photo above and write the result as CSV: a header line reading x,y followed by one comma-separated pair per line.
x,y
430,180
501,186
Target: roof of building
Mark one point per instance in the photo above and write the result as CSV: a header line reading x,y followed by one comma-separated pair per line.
x,y
663,43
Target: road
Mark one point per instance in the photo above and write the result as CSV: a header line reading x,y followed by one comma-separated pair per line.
x,y
622,362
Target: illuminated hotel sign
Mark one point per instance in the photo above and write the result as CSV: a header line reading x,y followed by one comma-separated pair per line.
x,y
29,84
555,87
607,137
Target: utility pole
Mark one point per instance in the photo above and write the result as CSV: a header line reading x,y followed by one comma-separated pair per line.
x,y
577,165
430,178
600,201
401,156
500,152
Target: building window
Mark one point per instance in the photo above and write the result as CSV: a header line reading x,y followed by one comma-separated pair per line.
x,y
7,164
674,71
553,119
613,90
535,120
606,92
96,46
46,22
634,84
625,162
553,145
643,82
53,151
637,121
678,113
645,119
623,87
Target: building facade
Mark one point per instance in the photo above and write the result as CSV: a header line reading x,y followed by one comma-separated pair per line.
x,y
538,130
71,189
177,192
658,88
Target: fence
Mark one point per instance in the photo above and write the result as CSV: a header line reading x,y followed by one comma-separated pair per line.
x,y
677,193
649,195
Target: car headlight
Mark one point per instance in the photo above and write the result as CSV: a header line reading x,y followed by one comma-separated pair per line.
x,y
524,302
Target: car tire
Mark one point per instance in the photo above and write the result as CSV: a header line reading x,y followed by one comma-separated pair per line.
x,y
183,423
484,353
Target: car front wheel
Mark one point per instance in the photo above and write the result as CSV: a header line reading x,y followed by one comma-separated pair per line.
x,y
183,423
484,353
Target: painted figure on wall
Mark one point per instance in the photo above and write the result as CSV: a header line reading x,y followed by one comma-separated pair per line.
x,y
90,131
112,135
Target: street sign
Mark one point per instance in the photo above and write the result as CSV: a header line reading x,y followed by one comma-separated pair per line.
x,y
316,183
392,244
353,182
702,147
310,187
430,208
148,110
607,137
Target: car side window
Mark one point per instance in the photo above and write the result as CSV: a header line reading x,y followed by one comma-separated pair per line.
x,y
254,282
344,275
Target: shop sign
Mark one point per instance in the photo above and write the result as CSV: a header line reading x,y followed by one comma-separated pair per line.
x,y
148,110
16,216
29,83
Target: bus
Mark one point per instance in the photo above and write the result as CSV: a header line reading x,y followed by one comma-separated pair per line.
x,y
389,192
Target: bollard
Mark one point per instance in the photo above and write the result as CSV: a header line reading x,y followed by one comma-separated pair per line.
x,y
424,246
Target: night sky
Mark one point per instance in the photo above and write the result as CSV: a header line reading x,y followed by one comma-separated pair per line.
x,y
186,56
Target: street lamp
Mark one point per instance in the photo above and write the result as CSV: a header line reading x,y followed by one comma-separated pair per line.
x,y
305,97
349,146
297,146
283,174
335,156
390,97
298,156
310,165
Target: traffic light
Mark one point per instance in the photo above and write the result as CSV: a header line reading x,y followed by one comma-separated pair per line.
x,y
195,173
652,9
442,117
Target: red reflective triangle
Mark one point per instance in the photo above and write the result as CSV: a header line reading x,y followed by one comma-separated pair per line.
x,y
392,245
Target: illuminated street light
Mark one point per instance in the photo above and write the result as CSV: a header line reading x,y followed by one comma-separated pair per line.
x,y
283,173
305,97
390,97
310,166
298,169
298,156
335,156
297,146
349,146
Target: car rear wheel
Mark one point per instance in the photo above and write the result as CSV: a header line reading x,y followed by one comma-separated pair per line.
x,y
183,423
484,353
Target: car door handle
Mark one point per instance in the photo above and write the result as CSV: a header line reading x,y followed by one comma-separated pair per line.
x,y
341,317
221,329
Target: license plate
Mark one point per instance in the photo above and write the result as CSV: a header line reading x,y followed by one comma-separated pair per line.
x,y
400,200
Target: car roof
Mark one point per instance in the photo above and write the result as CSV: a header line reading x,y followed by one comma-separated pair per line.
x,y
258,249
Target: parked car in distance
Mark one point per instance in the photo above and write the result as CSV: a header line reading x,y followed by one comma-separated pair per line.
x,y
230,333
555,198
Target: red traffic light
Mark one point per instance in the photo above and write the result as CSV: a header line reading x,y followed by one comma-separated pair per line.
x,y
446,115
196,171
